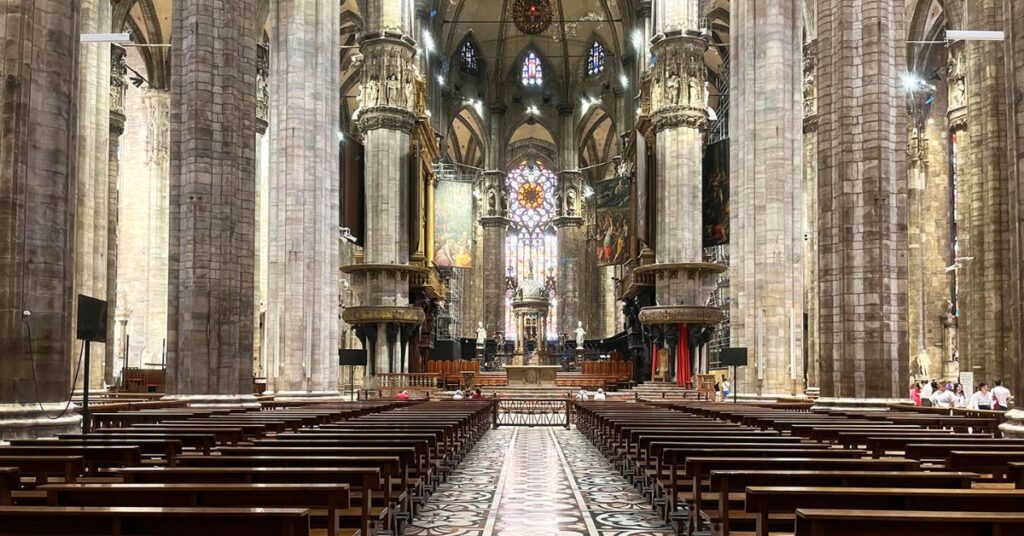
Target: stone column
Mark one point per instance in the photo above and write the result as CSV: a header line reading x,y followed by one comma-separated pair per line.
x,y
262,286
571,243
38,156
987,306
92,200
494,220
212,202
143,189
386,123
766,190
302,300
679,119
862,196
1013,24
812,357
118,88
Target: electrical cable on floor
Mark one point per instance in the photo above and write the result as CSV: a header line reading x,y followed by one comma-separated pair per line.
x,y
35,382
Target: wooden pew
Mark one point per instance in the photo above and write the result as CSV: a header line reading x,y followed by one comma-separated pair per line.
x,y
69,468
330,500
370,515
95,457
203,443
10,480
168,449
813,522
783,501
991,462
1015,474
726,483
70,521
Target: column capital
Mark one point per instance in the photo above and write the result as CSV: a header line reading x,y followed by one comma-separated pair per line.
x,y
387,97
566,108
677,84
498,108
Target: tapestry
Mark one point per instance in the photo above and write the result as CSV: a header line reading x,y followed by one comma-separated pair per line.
x,y
716,194
611,208
453,224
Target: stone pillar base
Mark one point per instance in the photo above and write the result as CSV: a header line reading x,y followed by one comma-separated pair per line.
x,y
308,396
30,421
218,401
1014,425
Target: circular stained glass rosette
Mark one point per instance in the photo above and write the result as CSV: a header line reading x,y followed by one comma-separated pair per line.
x,y
532,16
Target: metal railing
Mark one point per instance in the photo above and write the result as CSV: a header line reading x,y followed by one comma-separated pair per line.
x,y
533,412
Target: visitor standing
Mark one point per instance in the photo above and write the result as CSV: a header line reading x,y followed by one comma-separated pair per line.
x,y
960,400
915,393
942,398
1001,396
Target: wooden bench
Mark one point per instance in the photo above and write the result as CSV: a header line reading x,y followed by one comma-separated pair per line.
x,y
1015,474
10,480
990,462
41,468
199,442
326,502
725,484
95,457
814,522
168,449
69,521
783,501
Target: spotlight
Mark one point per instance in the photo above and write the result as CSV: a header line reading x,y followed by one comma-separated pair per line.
x,y
624,80
588,192
533,110
638,39
440,80
428,41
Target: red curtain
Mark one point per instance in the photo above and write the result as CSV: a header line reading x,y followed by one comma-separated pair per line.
x,y
683,356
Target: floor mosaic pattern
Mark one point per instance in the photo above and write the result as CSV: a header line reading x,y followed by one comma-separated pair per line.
x,y
536,482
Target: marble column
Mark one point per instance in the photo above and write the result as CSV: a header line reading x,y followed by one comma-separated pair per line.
x,y
38,157
118,88
212,202
766,190
302,300
91,225
679,120
386,122
1013,24
571,243
812,356
143,189
862,197
495,224
987,306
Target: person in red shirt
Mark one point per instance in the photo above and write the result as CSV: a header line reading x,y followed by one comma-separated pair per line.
x,y
477,395
915,393
404,395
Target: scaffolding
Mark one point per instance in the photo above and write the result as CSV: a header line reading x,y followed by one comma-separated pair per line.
x,y
449,319
719,298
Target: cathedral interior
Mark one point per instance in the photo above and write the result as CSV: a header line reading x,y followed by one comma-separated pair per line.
x,y
553,181
302,233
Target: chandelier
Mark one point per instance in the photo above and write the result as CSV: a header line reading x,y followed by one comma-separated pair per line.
x,y
532,16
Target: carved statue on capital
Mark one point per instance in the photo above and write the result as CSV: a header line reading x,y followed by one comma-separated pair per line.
x,y
677,85
810,85
388,90
118,79
263,83
957,78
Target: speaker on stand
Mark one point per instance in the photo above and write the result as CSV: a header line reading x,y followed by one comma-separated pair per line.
x,y
92,327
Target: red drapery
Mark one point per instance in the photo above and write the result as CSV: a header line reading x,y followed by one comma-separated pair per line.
x,y
683,356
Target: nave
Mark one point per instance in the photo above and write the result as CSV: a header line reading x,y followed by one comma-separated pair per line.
x,y
536,481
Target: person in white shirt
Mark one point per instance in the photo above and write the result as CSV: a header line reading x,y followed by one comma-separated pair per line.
x,y
927,388
961,398
599,395
1002,396
582,395
943,398
458,395
980,399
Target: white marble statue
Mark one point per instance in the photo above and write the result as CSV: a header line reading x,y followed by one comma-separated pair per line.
x,y
581,335
481,335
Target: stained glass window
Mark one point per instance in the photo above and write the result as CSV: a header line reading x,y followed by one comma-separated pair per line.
x,y
533,73
467,57
595,60
531,246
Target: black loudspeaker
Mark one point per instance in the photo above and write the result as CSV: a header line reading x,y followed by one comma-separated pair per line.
x,y
733,357
351,358
92,319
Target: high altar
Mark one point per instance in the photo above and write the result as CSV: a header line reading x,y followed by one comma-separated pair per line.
x,y
532,375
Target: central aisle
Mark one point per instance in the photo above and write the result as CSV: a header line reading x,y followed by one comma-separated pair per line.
x,y
536,481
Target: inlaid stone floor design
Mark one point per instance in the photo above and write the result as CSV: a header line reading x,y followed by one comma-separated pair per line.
x,y
536,482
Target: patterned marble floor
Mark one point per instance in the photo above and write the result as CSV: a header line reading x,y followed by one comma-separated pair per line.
x,y
536,482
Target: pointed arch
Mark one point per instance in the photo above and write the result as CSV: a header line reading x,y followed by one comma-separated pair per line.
x,y
469,55
596,137
465,139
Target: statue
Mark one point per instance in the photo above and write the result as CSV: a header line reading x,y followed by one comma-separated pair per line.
x,y
581,335
492,203
570,205
672,85
694,92
481,335
924,362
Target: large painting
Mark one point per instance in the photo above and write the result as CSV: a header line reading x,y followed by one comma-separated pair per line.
x,y
453,224
611,206
716,194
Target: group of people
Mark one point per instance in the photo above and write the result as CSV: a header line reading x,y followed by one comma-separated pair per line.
x,y
942,394
474,394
